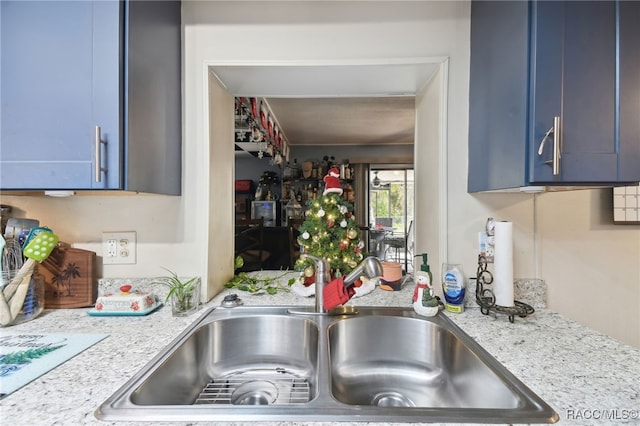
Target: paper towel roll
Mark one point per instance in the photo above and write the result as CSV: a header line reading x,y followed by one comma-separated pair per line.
x,y
503,261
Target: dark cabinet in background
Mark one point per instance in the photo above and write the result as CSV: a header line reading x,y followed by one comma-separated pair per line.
x,y
91,95
554,89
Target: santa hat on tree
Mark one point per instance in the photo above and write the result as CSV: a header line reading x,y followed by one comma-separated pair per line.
x,y
332,182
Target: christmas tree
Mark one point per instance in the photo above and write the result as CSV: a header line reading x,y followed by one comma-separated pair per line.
x,y
330,232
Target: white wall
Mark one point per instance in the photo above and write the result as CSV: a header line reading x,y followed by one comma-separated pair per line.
x,y
591,265
219,167
162,223
591,268
430,153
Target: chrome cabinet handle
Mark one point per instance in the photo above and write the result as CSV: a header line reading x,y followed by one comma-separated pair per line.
x,y
557,145
98,169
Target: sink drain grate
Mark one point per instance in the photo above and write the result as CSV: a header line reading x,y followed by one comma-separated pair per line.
x,y
256,387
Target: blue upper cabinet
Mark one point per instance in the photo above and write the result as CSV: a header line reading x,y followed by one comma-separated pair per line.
x,y
552,88
629,90
60,79
90,95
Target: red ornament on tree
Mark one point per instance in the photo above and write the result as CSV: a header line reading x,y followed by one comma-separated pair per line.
x,y
330,223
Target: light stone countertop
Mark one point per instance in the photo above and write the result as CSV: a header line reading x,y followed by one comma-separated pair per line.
x,y
582,373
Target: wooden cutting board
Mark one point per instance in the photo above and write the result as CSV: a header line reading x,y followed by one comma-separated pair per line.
x,y
70,278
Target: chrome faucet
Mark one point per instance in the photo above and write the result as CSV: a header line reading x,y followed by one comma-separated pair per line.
x,y
370,267
323,277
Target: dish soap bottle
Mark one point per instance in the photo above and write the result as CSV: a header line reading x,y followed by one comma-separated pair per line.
x,y
424,301
453,287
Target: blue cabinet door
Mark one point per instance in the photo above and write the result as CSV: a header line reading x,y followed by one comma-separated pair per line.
x,y
532,62
60,78
574,78
498,93
629,58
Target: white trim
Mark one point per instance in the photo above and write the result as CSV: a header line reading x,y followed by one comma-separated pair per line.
x,y
327,62
443,220
204,194
359,77
208,70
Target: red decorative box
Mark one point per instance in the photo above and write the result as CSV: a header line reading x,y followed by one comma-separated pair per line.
x,y
243,185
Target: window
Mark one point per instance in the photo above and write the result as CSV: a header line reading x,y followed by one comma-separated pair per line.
x,y
391,206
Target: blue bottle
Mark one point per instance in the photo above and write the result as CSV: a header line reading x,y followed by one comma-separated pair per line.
x,y
453,287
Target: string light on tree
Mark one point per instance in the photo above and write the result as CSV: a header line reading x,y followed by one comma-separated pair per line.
x,y
320,235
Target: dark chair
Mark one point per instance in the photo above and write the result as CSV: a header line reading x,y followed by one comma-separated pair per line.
x,y
384,222
294,246
401,245
249,240
376,243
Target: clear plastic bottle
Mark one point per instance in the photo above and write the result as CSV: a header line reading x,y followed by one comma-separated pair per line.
x,y
453,287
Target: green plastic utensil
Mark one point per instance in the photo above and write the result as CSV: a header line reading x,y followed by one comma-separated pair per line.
x,y
41,246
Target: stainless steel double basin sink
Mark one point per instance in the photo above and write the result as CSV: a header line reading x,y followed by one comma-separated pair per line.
x,y
285,363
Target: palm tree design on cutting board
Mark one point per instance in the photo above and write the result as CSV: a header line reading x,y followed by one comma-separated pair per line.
x,y
63,280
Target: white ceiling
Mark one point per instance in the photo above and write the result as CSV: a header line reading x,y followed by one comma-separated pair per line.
x,y
346,121
333,104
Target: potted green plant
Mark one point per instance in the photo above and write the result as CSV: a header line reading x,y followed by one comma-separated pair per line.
x,y
183,293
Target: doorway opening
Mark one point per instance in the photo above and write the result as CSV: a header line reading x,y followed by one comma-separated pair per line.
x,y
391,213
430,142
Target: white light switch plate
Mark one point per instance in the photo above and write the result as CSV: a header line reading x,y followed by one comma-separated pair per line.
x,y
119,248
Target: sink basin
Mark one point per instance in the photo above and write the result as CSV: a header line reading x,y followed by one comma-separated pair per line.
x,y
248,360
394,361
284,363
